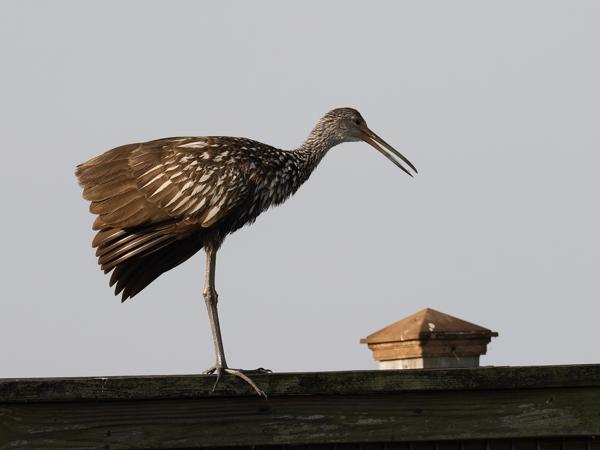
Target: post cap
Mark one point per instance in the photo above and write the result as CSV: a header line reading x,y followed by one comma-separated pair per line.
x,y
429,338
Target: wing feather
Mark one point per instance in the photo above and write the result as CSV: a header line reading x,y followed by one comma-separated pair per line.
x,y
152,198
197,180
109,183
117,202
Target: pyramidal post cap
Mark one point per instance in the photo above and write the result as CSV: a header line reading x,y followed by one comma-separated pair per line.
x,y
429,339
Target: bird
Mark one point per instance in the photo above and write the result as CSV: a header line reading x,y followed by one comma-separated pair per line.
x,y
158,203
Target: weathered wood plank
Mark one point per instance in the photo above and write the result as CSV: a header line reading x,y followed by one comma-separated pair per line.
x,y
406,416
334,407
290,384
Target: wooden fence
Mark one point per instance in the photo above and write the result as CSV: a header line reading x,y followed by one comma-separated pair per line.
x,y
537,408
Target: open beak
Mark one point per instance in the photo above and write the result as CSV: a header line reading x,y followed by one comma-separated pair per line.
x,y
386,150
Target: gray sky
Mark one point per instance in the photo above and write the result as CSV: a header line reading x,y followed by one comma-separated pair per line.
x,y
497,104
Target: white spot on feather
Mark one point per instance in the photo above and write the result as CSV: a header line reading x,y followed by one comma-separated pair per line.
x,y
181,203
211,213
197,189
198,206
162,186
215,209
151,170
152,180
179,194
195,144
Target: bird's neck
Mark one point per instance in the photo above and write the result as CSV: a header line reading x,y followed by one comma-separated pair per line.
x,y
290,169
320,139
308,157
317,144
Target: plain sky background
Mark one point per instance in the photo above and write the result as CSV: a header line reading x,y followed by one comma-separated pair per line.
x,y
496,103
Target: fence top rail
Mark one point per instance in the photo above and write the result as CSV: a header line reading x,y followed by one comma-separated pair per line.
x,y
25,390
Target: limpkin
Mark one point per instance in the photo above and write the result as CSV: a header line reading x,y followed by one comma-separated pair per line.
x,y
159,202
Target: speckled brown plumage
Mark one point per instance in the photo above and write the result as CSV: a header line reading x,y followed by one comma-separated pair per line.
x,y
152,195
158,203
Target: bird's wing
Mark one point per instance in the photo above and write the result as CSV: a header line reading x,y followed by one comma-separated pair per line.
x,y
196,179
150,199
110,185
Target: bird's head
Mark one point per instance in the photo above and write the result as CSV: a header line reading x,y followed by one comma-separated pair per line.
x,y
347,125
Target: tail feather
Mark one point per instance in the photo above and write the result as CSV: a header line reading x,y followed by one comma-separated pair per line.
x,y
133,275
134,242
110,261
139,256
106,236
114,244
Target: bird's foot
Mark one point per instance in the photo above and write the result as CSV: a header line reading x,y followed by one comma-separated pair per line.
x,y
259,371
242,374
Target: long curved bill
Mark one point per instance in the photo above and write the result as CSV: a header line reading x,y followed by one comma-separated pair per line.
x,y
387,150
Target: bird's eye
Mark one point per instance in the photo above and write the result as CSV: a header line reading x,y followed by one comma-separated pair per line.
x,y
357,121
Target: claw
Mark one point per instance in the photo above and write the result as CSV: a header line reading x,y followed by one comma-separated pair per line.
x,y
218,371
247,379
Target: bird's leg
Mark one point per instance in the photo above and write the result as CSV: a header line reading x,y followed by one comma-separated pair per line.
x,y
211,298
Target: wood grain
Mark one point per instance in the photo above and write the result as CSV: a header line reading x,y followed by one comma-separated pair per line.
x,y
313,408
288,384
